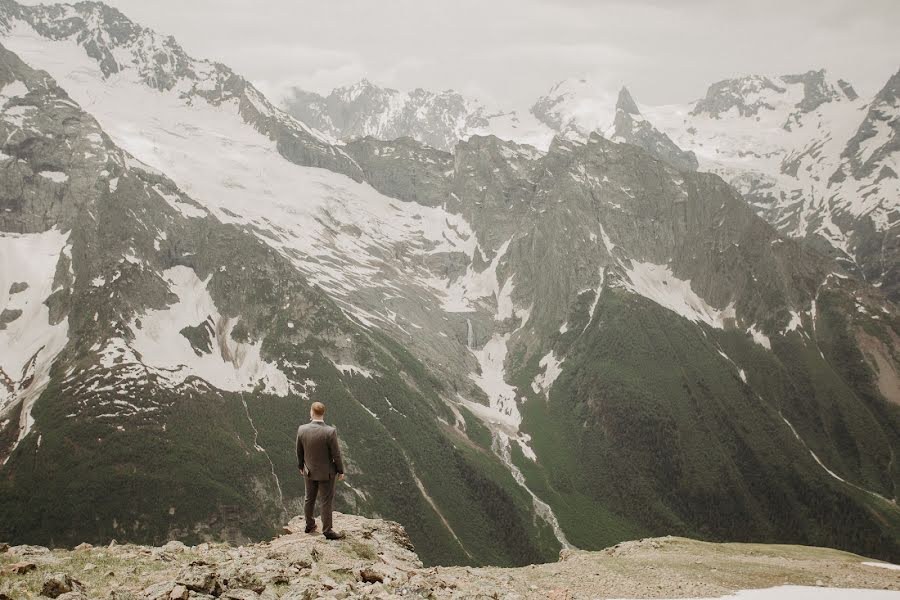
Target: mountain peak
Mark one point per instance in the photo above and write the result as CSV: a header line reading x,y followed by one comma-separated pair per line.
x,y
751,95
626,103
818,89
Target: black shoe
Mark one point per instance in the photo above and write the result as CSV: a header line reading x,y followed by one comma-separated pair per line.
x,y
333,535
311,528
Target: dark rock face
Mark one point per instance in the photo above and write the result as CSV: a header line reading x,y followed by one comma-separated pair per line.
x,y
632,128
817,91
732,93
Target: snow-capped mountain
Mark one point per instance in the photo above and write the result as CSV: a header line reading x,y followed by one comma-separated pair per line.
x,y
438,119
524,349
783,141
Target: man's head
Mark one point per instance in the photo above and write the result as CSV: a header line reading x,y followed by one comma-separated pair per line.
x,y
317,410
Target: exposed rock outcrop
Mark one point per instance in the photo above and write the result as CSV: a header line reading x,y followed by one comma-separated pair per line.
x,y
377,560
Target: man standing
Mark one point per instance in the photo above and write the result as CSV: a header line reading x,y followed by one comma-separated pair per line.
x,y
319,459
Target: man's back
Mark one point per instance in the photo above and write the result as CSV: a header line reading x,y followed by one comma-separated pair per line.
x,y
318,451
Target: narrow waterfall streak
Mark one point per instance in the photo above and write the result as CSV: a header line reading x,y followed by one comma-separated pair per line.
x,y
832,473
263,450
470,334
541,508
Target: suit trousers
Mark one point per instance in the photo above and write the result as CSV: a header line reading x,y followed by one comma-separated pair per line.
x,y
325,492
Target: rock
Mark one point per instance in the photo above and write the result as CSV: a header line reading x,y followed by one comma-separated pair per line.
x,y
58,584
305,591
179,592
566,553
123,595
26,550
84,546
20,568
160,591
89,567
240,594
72,596
201,578
174,546
4,548
246,580
370,575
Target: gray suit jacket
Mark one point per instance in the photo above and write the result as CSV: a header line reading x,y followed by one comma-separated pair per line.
x,y
318,453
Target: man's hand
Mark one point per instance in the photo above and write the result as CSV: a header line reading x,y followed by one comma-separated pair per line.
x,y
340,477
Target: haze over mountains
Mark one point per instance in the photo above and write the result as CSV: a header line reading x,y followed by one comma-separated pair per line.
x,y
668,320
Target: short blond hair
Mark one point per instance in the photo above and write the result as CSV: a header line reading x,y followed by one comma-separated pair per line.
x,y
318,409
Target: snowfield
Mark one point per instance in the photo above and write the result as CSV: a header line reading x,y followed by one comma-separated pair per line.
x,y
797,592
30,342
229,365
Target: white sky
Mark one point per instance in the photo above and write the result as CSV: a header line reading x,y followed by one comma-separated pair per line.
x,y
509,52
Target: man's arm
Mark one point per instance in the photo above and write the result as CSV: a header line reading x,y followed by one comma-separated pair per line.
x,y
299,452
336,452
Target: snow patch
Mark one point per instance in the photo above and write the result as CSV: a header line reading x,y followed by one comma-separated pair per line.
x,y
347,369
883,565
492,380
759,337
230,366
55,176
552,369
30,343
659,284
798,592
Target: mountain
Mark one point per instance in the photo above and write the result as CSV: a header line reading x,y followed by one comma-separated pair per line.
x,y
523,349
439,119
164,356
378,560
787,143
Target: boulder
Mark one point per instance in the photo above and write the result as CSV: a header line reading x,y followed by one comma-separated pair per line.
x,y
246,580
179,592
57,584
20,568
160,591
303,591
174,546
25,550
201,578
370,575
240,594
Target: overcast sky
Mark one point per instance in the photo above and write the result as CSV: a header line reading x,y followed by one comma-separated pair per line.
x,y
511,51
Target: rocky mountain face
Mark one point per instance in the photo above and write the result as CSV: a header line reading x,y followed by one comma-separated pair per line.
x,y
523,349
788,144
437,119
793,146
378,560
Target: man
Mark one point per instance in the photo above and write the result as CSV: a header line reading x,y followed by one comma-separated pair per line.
x,y
319,459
